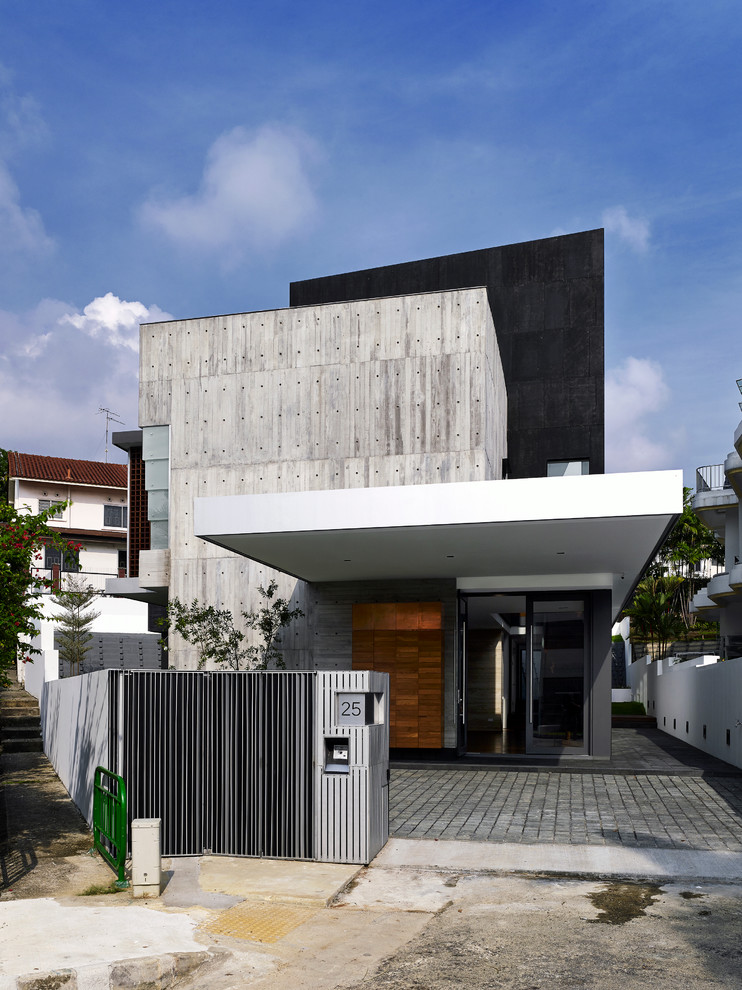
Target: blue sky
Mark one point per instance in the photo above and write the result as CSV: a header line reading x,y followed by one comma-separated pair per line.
x,y
187,159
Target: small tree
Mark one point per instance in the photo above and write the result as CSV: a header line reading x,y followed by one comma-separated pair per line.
x,y
212,631
75,620
269,621
689,544
654,614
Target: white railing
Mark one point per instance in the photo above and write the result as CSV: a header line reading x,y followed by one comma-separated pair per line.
x,y
711,477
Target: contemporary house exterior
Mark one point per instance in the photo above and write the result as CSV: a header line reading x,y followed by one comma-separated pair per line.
x,y
415,454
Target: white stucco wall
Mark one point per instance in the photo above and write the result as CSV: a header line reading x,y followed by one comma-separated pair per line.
x,y
710,695
74,727
86,511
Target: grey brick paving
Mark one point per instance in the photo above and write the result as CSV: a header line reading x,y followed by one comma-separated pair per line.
x,y
661,812
692,808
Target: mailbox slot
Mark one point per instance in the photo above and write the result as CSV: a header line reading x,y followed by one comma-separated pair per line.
x,y
337,754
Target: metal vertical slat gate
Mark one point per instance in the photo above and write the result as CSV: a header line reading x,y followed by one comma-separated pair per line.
x,y
224,759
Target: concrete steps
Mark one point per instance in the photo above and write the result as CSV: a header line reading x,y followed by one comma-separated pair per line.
x,y
20,721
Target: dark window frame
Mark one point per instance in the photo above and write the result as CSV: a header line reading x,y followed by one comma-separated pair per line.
x,y
67,560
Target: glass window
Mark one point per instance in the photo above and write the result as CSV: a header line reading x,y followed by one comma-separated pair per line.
x,y
47,503
69,560
558,673
114,515
563,469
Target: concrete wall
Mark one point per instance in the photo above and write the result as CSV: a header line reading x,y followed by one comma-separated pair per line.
x,y
74,726
362,394
547,305
683,695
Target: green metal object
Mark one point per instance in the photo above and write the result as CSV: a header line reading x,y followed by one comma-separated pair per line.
x,y
109,820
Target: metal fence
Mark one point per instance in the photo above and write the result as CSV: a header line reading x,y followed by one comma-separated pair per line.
x,y
96,579
711,477
233,763
110,824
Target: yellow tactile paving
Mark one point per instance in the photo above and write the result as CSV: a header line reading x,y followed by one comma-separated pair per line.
x,y
259,921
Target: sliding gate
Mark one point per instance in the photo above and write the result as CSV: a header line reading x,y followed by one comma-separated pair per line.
x,y
289,765
224,759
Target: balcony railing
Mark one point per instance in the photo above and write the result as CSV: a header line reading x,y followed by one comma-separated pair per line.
x,y
711,477
96,579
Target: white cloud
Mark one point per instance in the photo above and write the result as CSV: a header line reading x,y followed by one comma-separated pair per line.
x,y
58,365
633,230
115,320
21,229
255,191
634,391
21,122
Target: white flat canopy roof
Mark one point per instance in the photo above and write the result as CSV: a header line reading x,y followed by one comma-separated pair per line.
x,y
587,531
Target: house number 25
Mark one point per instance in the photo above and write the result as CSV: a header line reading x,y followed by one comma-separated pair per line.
x,y
351,709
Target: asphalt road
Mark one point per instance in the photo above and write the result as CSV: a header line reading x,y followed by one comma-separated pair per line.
x,y
538,934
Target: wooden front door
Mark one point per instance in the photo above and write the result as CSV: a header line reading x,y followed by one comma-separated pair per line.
x,y
405,640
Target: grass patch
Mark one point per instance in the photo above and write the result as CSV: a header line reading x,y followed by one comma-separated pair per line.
x,y
627,708
100,888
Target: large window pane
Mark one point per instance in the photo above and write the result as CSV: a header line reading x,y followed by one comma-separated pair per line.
x,y
558,673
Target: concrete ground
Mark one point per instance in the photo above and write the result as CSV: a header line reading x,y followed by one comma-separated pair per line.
x,y
644,891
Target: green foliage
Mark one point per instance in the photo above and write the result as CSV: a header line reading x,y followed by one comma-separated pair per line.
x,y
22,537
74,621
654,612
95,889
688,545
627,708
269,621
213,632
660,609
4,475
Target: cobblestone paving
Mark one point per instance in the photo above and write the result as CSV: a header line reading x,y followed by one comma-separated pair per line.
x,y
490,805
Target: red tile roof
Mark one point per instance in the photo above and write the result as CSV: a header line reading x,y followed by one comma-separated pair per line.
x,y
35,467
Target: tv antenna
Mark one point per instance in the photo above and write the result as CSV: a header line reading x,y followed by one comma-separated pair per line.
x,y
111,417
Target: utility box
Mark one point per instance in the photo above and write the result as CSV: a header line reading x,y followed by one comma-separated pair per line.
x,y
352,766
145,857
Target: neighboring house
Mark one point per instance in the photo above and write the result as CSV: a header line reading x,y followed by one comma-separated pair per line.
x,y
698,699
96,519
717,504
415,453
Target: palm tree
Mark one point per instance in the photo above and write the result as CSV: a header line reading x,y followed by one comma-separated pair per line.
x,y
654,613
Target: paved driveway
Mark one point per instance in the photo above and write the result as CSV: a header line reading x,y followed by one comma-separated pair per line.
x,y
670,797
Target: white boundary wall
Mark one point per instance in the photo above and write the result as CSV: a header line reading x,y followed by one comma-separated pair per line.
x,y
117,615
74,727
681,694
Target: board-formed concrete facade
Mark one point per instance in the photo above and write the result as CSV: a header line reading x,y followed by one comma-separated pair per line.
x,y
393,391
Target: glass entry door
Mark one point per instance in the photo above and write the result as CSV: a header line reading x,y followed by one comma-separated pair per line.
x,y
557,676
